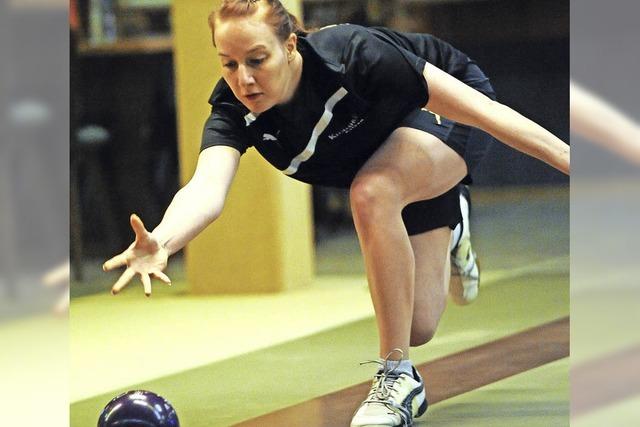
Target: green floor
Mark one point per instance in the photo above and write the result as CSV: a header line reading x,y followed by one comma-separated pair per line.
x,y
539,397
222,393
524,288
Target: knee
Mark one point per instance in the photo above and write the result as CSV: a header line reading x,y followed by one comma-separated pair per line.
x,y
372,195
422,334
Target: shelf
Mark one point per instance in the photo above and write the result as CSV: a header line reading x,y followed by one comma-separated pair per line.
x,y
131,46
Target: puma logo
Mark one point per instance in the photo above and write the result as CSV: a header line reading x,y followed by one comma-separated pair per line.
x,y
437,116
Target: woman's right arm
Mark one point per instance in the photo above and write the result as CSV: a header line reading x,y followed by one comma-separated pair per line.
x,y
455,100
200,202
194,207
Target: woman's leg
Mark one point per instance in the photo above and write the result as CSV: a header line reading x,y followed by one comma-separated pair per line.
x,y
411,165
431,254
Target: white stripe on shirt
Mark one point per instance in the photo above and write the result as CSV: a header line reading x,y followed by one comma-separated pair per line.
x,y
317,131
249,118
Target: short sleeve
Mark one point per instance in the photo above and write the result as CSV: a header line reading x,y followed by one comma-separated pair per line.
x,y
225,126
382,71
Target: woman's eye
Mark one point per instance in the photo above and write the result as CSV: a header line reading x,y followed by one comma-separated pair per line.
x,y
229,65
255,62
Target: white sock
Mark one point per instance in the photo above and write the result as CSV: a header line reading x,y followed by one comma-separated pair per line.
x,y
405,366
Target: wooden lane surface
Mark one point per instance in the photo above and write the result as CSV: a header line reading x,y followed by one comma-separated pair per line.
x,y
446,377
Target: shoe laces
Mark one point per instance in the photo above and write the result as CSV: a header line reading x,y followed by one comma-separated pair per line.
x,y
385,379
383,385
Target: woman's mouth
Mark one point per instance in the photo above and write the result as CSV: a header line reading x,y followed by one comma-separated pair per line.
x,y
253,96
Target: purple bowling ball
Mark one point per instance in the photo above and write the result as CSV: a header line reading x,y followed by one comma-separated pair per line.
x,y
138,408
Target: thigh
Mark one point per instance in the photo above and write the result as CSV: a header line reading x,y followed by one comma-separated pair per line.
x,y
418,164
470,143
432,271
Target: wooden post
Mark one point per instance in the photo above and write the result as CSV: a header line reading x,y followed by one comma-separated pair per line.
x,y
263,242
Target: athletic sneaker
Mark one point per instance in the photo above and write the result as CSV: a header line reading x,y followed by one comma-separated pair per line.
x,y
465,269
395,399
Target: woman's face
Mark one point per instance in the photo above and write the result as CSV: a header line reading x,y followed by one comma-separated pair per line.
x,y
255,63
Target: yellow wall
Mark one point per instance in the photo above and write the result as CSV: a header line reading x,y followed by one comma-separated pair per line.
x,y
263,242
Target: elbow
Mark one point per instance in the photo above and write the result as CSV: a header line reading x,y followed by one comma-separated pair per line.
x,y
487,115
498,120
214,210
496,109
208,207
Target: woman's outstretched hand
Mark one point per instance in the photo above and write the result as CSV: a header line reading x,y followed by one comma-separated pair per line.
x,y
145,257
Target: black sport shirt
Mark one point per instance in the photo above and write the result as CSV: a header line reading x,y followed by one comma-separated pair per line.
x,y
357,85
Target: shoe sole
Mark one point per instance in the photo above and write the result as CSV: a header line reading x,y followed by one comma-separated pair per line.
x,y
421,410
423,406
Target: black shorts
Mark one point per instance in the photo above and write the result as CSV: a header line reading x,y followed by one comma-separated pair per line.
x,y
470,143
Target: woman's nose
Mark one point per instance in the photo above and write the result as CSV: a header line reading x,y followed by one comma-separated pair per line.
x,y
245,76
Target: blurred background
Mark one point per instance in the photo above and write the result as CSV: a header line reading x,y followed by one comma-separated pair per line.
x,y
34,169
605,199
34,210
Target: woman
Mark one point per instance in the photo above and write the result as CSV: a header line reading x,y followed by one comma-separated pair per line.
x,y
360,108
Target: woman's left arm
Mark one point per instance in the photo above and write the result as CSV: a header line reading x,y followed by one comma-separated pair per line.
x,y
453,99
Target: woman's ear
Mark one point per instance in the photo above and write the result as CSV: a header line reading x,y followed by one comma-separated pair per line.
x,y
291,44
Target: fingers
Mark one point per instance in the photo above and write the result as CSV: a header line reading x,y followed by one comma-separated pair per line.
x,y
160,275
138,226
123,281
145,278
146,282
115,262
